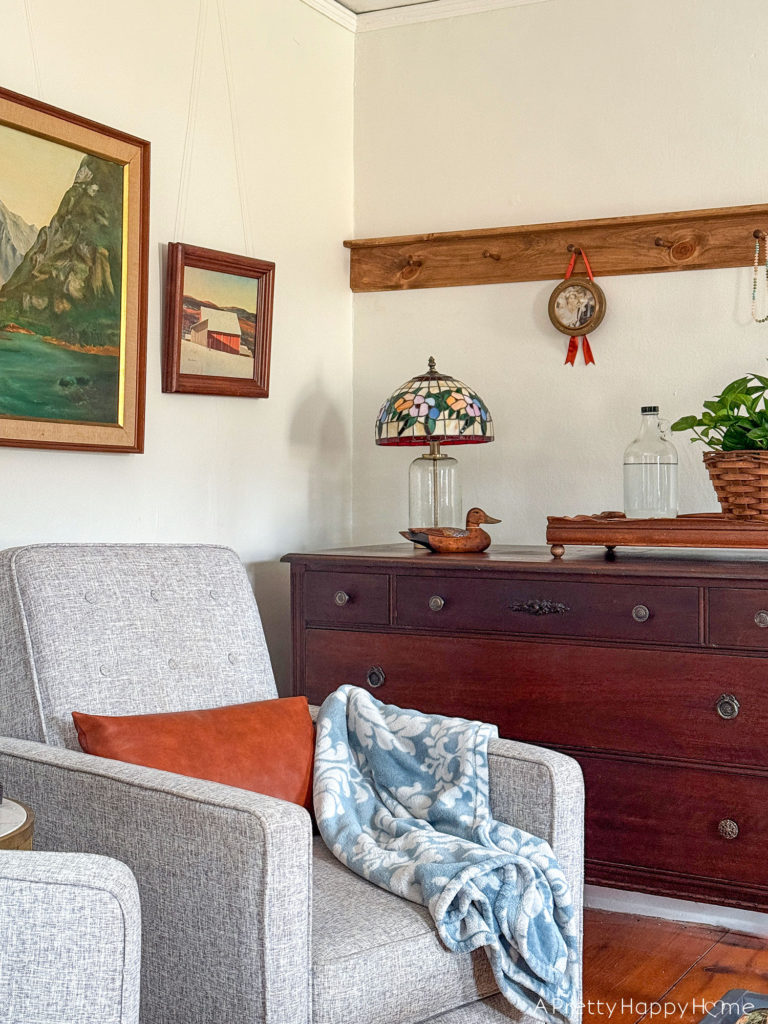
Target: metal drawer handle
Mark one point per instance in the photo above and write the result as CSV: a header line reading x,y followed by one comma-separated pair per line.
x,y
761,618
539,606
727,706
436,603
340,598
375,676
640,613
728,828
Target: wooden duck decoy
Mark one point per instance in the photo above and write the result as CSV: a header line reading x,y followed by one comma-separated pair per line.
x,y
449,540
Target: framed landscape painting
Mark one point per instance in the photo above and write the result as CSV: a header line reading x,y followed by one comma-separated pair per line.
x,y
74,222
218,323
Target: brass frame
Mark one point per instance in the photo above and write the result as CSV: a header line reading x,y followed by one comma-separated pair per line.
x,y
597,317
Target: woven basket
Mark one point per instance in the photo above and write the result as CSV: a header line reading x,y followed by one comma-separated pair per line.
x,y
740,480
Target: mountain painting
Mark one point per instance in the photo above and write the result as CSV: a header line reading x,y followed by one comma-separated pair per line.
x,y
61,281
218,324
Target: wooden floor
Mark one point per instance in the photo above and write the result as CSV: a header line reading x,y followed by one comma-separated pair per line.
x,y
631,963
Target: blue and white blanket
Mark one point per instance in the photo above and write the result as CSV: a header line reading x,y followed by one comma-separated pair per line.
x,y
402,799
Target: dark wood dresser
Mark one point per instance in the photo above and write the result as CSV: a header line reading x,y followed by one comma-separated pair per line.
x,y
650,669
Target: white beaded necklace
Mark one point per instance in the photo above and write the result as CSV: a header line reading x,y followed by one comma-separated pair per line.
x,y
755,317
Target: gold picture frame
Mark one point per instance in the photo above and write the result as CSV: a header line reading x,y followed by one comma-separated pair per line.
x,y
577,306
73,290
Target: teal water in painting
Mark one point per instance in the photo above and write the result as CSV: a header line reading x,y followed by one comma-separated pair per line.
x,y
43,381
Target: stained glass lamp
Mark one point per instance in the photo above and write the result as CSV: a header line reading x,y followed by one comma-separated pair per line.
x,y
433,410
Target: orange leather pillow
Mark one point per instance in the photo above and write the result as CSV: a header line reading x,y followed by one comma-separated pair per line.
x,y
267,746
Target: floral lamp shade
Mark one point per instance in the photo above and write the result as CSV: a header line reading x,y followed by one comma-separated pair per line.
x,y
433,407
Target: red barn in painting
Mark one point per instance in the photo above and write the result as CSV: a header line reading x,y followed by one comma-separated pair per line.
x,y
218,329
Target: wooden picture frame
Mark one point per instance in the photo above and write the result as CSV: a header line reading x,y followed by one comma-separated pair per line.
x,y
73,282
217,342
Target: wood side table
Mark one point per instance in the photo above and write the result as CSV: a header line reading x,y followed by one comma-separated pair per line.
x,y
17,824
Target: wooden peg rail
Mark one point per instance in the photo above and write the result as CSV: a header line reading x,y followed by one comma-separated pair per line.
x,y
652,243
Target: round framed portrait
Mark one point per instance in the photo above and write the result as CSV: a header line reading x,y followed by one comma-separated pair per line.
x,y
577,306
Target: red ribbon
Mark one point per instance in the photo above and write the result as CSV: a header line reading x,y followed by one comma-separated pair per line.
x,y
573,344
573,348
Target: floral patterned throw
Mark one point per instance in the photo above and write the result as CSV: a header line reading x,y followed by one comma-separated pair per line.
x,y
402,798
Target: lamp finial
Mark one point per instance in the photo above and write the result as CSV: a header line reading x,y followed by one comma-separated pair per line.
x,y
432,364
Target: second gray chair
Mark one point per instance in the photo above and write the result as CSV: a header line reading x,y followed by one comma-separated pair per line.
x,y
70,940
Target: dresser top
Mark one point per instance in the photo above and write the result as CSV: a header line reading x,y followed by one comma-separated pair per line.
x,y
668,562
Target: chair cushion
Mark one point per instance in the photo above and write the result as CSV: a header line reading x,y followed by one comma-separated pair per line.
x,y
267,746
376,958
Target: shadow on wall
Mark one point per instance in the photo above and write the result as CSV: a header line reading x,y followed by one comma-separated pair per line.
x,y
319,432
270,582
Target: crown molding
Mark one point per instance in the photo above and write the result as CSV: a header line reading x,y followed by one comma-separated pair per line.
x,y
333,10
433,10
428,10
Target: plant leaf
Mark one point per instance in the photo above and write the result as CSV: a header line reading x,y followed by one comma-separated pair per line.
x,y
685,423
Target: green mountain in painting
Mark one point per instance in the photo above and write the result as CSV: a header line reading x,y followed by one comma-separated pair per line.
x,y
68,284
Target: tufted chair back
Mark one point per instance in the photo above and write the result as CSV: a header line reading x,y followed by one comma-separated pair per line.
x,y
122,629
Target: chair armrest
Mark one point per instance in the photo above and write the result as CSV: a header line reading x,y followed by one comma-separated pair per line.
x,y
542,792
224,877
70,939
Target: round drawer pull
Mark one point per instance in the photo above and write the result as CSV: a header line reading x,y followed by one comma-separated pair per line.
x,y
436,603
641,613
727,706
375,676
761,618
728,828
340,598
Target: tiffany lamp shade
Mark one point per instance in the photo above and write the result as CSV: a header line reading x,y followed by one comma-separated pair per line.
x,y
434,410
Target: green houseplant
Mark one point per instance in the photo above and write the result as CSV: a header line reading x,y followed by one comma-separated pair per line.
x,y
734,426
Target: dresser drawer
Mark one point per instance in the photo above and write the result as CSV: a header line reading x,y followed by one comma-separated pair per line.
x,y
662,703
612,611
669,819
738,618
346,598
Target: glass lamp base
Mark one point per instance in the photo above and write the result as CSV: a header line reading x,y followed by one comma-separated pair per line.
x,y
434,492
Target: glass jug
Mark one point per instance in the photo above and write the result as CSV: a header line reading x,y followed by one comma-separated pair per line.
x,y
650,471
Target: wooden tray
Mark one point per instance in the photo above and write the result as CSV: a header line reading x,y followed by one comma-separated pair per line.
x,y
613,529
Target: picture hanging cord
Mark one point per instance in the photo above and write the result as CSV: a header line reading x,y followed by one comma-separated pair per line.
x,y
194,95
33,48
226,50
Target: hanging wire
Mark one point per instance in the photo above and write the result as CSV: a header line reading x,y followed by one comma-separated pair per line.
x,y
33,48
194,96
236,138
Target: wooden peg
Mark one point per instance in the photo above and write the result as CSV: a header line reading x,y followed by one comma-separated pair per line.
x,y
757,233
412,268
488,255
662,243
574,248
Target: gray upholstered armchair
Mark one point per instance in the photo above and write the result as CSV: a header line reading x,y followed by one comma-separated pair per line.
x,y
70,940
246,919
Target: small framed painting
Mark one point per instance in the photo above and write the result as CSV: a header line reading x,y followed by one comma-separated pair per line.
x,y
218,323
74,223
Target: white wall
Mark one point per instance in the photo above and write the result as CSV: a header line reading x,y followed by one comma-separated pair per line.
x,y
263,476
557,111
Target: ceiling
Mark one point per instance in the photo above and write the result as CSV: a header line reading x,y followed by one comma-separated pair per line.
x,y
366,6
